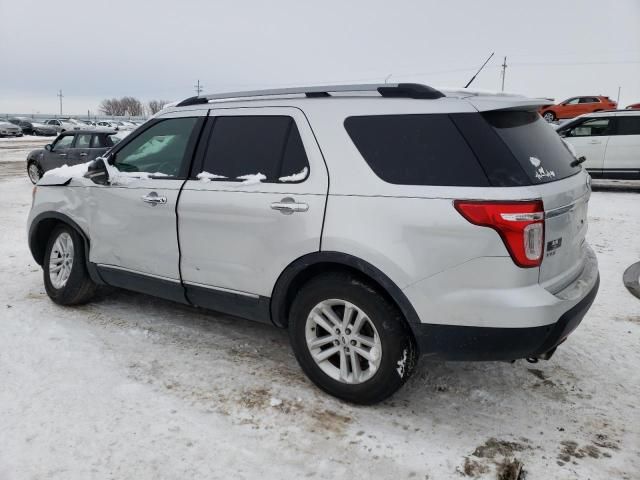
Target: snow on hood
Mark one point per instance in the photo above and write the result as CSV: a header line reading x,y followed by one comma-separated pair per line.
x,y
61,175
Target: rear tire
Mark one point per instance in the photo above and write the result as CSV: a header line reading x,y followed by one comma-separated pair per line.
x,y
66,279
549,116
369,352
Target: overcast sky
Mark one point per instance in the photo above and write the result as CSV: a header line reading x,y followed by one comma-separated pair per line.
x,y
158,49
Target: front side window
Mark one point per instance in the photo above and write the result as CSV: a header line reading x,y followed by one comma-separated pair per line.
x,y
63,143
244,146
416,150
159,149
593,127
572,101
83,140
628,125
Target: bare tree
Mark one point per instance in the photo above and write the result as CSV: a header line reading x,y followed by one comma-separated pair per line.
x,y
155,106
122,106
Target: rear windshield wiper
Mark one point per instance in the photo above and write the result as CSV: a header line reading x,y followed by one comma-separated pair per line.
x,y
578,161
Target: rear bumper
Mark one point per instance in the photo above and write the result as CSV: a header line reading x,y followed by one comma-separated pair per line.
x,y
454,342
502,321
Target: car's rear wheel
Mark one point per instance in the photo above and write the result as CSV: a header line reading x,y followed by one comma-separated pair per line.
x,y
34,171
350,340
549,116
66,279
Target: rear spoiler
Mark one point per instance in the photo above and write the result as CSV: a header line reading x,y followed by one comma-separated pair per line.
x,y
486,103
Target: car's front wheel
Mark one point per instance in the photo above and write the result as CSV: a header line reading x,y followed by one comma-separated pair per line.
x,y
66,279
549,116
34,171
350,340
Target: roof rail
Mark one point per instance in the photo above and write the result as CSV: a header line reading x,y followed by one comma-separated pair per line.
x,y
393,90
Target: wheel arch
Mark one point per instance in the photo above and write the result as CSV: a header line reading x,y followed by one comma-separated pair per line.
x,y
40,231
310,265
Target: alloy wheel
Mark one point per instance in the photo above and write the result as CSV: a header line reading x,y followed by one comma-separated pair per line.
x,y
343,341
61,260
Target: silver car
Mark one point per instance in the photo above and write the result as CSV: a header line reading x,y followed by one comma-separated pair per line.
x,y
376,223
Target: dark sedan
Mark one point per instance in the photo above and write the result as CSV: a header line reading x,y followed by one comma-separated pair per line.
x,y
31,127
71,148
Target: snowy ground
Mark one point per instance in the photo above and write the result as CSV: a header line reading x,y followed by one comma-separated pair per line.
x,y
132,387
17,149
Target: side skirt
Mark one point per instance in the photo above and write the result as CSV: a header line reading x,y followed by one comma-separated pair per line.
x,y
239,304
251,307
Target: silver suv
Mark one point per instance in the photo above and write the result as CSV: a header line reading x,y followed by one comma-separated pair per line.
x,y
375,222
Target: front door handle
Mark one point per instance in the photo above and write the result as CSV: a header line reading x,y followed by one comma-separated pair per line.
x,y
154,199
595,142
288,205
83,154
62,154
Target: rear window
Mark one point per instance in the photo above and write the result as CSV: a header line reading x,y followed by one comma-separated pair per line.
x,y
416,150
534,143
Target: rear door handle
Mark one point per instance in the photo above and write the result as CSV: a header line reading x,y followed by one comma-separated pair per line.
x,y
154,199
288,205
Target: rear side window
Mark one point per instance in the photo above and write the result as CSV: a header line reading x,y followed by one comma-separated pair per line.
x,y
83,140
628,125
416,150
242,146
535,145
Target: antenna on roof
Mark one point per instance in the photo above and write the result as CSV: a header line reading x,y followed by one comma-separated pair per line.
x,y
479,70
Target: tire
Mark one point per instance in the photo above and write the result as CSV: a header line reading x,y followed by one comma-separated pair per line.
x,y
34,171
368,382
549,116
78,287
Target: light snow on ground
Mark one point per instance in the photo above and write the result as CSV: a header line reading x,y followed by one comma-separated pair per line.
x,y
133,387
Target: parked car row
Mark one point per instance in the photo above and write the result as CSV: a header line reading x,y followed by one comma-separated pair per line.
x,y
30,127
54,126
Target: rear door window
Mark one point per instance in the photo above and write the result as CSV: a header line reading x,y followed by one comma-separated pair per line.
x,y
535,145
270,145
628,125
416,150
83,140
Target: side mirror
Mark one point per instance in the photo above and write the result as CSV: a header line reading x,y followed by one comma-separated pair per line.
x,y
47,147
97,172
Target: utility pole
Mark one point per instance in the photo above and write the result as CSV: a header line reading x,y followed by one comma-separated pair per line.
x,y
618,99
198,88
504,71
60,96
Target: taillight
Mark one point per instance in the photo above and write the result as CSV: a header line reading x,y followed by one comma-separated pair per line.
x,y
519,224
